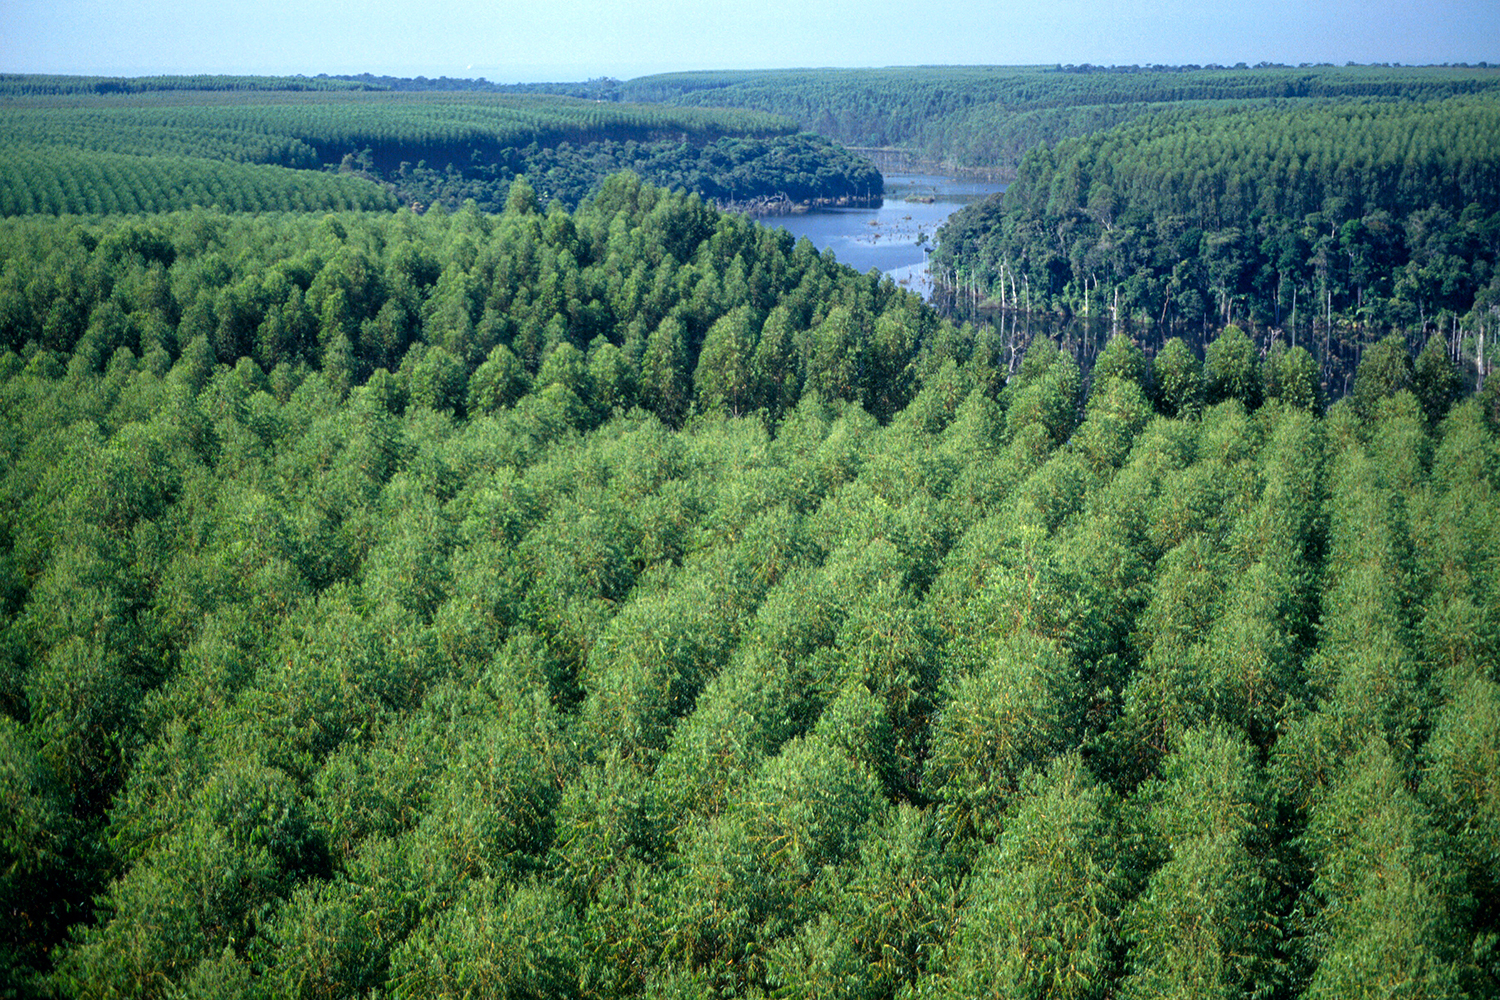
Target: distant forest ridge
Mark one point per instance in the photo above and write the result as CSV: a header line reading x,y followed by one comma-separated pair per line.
x,y
988,117
19,84
11,84
92,150
972,117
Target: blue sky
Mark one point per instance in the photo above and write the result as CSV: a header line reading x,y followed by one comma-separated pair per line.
x,y
507,42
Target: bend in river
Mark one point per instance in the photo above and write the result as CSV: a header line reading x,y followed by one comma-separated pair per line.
x,y
895,237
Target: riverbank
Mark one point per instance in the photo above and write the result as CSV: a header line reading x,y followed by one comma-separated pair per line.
x,y
892,236
779,204
893,160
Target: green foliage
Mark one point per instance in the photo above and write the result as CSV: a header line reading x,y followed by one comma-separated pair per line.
x,y
1204,925
498,941
1385,370
1230,370
1382,908
896,911
989,116
1434,379
1292,377
496,384
262,148
1045,393
1459,781
463,603
1120,359
760,869
1015,713
723,379
1179,379
1191,206
1042,901
45,861
1117,411
60,180
200,887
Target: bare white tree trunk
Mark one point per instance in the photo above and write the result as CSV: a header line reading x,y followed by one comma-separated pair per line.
x,y
1479,386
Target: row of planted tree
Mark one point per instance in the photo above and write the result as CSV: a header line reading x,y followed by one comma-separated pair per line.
x,y
162,145
674,612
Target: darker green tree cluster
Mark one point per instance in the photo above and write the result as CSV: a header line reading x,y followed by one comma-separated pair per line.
x,y
1333,225
242,148
753,174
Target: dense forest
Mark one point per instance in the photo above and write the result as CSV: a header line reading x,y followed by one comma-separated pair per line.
x,y
765,176
1328,224
1320,206
989,117
585,592
634,602
84,146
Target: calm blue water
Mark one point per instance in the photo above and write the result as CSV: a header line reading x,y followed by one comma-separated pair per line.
x,y
888,237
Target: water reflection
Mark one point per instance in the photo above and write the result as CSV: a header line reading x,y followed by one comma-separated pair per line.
x,y
895,237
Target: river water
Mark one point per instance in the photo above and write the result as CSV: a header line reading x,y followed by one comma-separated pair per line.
x,y
893,238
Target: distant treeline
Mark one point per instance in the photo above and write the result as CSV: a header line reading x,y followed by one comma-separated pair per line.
x,y
162,147
317,129
738,173
602,88
30,84
23,84
989,117
62,181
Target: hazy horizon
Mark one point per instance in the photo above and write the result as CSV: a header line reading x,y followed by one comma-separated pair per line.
x,y
583,39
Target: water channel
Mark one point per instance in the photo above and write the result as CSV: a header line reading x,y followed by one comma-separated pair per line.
x,y
895,237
